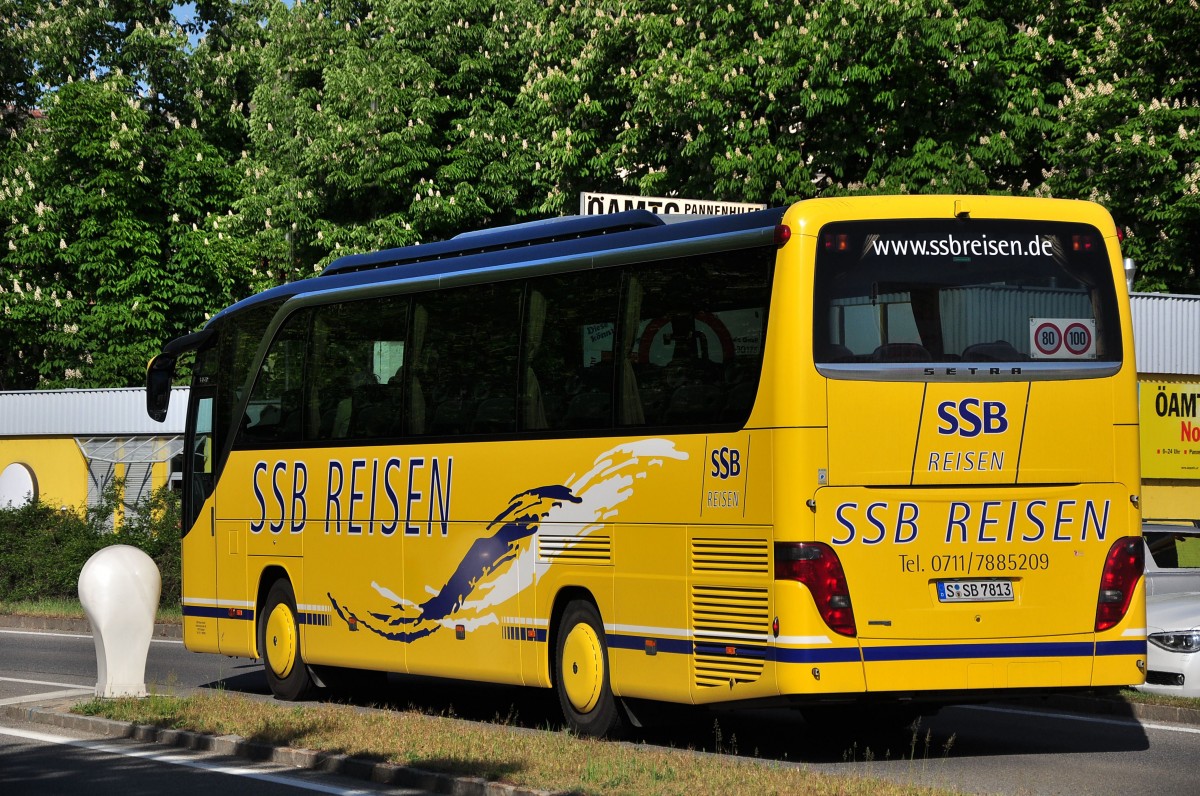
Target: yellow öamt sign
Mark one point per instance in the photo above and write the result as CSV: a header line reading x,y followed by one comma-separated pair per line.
x,y
1170,423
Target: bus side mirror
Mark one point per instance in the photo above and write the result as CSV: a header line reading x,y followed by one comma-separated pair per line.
x,y
158,386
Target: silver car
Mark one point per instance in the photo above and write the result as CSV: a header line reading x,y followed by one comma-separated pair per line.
x,y
1172,610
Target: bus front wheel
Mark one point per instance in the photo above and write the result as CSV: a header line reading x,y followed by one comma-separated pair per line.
x,y
581,658
279,644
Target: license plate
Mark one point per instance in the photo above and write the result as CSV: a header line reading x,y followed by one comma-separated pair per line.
x,y
974,591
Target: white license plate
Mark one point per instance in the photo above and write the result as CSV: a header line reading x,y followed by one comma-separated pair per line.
x,y
974,591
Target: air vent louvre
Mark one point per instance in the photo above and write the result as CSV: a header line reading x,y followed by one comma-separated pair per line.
x,y
591,549
730,555
730,628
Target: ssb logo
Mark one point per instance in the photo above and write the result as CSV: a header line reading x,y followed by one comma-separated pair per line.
x,y
971,417
726,463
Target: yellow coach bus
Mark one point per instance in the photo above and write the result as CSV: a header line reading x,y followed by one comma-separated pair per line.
x,y
873,450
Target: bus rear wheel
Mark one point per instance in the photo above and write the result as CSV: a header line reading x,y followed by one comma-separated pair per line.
x,y
279,644
581,673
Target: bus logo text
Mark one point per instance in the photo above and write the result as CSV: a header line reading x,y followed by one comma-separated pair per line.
x,y
966,523
971,417
392,493
726,463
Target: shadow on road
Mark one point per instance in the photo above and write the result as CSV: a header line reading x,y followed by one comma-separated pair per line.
x,y
777,734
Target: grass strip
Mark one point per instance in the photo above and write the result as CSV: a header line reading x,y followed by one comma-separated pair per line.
x,y
541,759
55,608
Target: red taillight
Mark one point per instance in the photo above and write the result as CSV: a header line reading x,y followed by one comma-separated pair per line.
x,y
1082,243
1122,568
816,566
783,233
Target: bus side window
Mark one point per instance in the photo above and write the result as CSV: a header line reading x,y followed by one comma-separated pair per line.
x,y
466,361
274,413
356,370
570,325
694,331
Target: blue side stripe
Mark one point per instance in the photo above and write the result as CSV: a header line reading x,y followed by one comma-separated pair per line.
x,y
817,655
910,652
1067,649
1121,648
213,612
679,646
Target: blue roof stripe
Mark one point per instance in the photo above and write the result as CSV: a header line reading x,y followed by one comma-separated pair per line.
x,y
666,233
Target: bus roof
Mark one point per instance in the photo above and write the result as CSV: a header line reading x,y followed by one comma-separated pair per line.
x,y
510,246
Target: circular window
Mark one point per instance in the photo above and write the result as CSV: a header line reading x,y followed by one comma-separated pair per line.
x,y
18,485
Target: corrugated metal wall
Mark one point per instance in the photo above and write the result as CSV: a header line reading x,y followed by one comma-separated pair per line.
x,y
1166,333
87,413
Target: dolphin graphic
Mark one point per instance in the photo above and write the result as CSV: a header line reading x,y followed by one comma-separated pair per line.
x,y
516,523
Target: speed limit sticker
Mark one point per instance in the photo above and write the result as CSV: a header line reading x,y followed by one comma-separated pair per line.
x,y
1062,338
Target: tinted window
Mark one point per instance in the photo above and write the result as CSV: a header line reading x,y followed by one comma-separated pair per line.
x,y
241,336
963,291
693,332
464,360
570,329
274,412
356,370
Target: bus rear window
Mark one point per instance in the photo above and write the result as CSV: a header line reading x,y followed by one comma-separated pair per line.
x,y
970,291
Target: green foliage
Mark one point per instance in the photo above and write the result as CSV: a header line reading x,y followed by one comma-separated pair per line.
x,y
43,549
112,196
177,163
378,125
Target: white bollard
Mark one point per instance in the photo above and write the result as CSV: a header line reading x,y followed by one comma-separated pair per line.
x,y
119,588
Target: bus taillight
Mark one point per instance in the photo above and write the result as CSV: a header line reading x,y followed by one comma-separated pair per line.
x,y
817,566
1122,568
1082,243
835,243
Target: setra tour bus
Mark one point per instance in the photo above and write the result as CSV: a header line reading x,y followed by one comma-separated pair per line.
x,y
876,450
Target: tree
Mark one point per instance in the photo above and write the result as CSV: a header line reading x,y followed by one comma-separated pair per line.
x,y
1129,133
113,199
379,125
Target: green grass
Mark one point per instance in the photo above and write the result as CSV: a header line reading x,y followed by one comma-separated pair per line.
x,y
544,759
72,609
1139,698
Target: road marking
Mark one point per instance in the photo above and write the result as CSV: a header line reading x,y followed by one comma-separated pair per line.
x,y
39,682
177,759
79,635
1090,719
72,692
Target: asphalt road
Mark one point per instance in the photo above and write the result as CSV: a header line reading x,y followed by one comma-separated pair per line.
x,y
40,761
1006,749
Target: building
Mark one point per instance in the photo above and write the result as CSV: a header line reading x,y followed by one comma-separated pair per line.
x,y
1166,331
65,447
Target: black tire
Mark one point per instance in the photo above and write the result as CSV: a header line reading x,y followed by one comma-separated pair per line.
x,y
582,675
279,644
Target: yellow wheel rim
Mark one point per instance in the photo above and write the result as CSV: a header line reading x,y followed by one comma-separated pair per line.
x,y
583,667
281,641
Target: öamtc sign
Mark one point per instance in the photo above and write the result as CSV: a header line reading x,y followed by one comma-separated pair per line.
x,y
1170,427
600,204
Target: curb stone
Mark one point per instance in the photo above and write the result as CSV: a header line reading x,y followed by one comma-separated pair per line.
x,y
67,625
378,772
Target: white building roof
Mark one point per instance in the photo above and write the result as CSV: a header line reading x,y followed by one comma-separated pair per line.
x,y
88,413
1166,333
